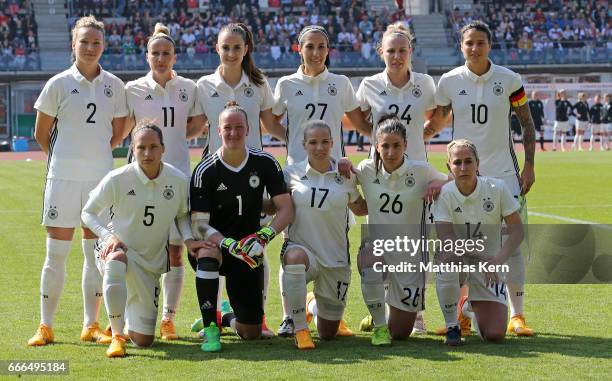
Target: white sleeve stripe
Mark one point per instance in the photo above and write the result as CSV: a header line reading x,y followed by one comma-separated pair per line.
x,y
197,173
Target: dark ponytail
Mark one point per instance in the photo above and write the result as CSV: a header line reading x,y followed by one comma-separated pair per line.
x,y
248,64
387,124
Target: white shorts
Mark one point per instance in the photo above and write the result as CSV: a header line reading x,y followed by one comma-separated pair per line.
x,y
479,292
143,290
581,125
330,285
607,128
63,202
406,291
596,128
515,190
561,126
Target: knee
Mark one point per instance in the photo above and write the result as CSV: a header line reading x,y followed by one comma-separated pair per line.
x,y
494,336
117,256
326,333
250,333
399,334
295,257
142,341
209,253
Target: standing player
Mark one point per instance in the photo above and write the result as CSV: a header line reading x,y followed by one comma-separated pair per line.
x,y
317,246
238,79
607,121
170,100
147,198
315,93
536,107
563,109
80,118
226,203
395,189
478,205
596,115
481,94
581,110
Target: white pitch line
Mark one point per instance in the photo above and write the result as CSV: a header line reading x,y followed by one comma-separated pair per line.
x,y
561,218
570,206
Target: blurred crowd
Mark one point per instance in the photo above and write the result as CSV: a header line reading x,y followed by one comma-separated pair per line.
x,y
18,35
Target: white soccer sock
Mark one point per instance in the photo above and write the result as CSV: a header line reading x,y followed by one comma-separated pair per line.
x,y
91,284
286,309
516,284
294,284
468,312
562,139
52,278
580,139
311,308
554,139
172,286
447,289
115,293
266,284
373,291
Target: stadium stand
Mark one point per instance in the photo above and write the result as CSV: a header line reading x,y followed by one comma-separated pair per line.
x,y
18,36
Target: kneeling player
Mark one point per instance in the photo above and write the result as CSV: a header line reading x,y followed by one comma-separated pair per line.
x,y
317,247
478,205
226,203
147,197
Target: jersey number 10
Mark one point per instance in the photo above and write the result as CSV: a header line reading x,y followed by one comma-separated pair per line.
x,y
480,114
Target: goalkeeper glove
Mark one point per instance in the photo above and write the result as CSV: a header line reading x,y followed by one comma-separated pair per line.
x,y
232,247
266,234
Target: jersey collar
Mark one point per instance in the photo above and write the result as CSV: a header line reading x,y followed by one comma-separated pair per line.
x,y
80,78
389,85
398,172
474,195
476,78
218,80
154,85
143,178
234,169
333,170
309,79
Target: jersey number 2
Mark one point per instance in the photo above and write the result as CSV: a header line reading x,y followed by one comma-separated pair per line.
x,y
93,112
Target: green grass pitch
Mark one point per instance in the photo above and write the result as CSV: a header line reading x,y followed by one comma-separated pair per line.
x,y
573,325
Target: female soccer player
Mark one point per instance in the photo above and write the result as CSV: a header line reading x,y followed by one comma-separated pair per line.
x,y
238,79
170,100
473,207
480,95
315,93
399,90
147,197
596,116
581,110
226,203
317,247
396,190
563,109
80,118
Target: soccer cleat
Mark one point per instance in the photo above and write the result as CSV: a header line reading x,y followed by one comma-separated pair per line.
x,y
381,336
303,340
453,337
440,331
287,328
517,326
309,298
419,325
344,330
167,331
197,325
117,347
212,339
43,336
94,334
266,333
108,331
366,324
464,322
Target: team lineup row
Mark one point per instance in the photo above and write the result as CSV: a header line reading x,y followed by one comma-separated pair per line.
x,y
84,108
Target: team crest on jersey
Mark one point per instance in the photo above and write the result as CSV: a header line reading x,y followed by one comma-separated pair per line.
x,y
339,180
248,91
410,181
416,92
254,180
488,205
168,192
108,91
331,89
183,95
52,213
498,89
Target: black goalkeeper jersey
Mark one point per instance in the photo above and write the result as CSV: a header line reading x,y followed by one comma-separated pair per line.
x,y
562,110
581,110
233,196
596,113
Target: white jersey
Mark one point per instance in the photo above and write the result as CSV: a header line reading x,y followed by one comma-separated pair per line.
x,y
142,210
378,95
327,97
481,113
80,147
397,197
321,221
481,212
213,95
169,107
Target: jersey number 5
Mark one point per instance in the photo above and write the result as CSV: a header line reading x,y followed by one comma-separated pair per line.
x,y
149,217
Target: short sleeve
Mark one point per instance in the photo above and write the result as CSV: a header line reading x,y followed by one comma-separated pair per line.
x,y
129,99
442,208
275,179
508,203
361,96
267,99
442,98
200,194
349,101
430,92
48,101
353,191
121,108
280,106
196,107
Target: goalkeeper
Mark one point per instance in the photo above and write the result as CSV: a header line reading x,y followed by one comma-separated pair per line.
x,y
226,196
